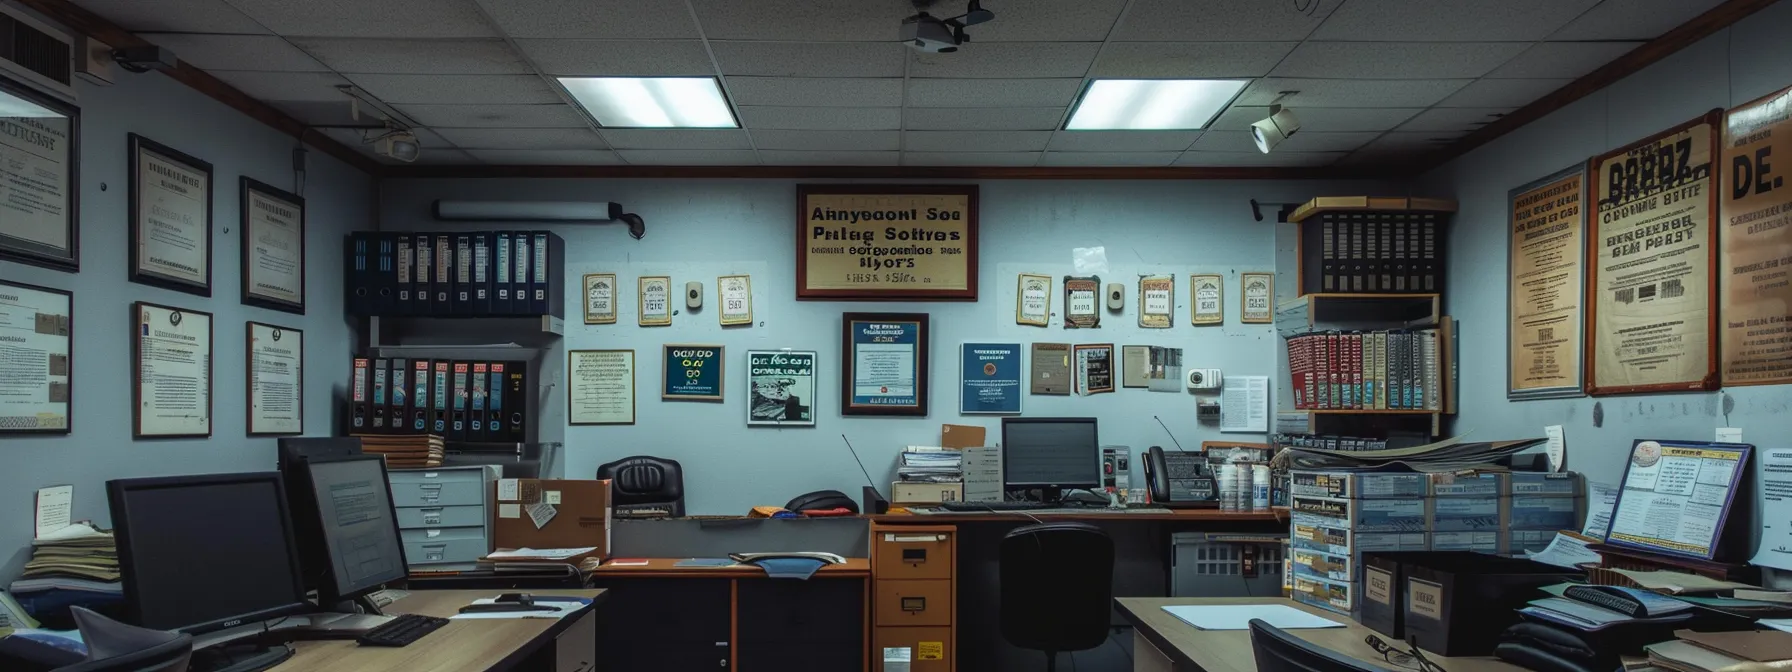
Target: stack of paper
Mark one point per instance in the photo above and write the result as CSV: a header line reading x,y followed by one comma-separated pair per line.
x,y
76,565
1586,617
417,451
546,561
923,464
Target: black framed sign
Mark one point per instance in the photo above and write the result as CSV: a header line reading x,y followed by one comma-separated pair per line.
x,y
884,364
171,218
273,259
171,372
40,160
37,325
275,368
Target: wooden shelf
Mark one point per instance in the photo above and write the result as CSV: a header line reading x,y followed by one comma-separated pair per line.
x,y
1202,515
1370,203
1365,411
1321,312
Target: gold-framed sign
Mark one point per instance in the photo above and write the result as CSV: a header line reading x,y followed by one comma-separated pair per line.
x,y
600,298
1546,263
1033,300
1208,302
1259,290
886,242
655,304
1651,298
1157,300
1755,243
736,295
1082,302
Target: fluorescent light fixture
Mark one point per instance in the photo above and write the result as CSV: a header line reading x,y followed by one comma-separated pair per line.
x,y
1152,104
14,106
652,102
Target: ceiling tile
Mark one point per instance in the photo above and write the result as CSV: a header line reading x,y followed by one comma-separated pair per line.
x,y
1219,21
1150,60
522,138
416,57
1255,158
592,19
1407,143
1046,20
457,89
359,138
278,86
1503,92
1450,20
818,92
441,156
1319,119
1632,19
619,57
829,140
369,18
992,92
1008,59
1108,158
1303,141
1122,141
496,116
983,118
642,138
237,52
187,16
316,113
1454,119
546,157
1562,59
1396,60
802,20
689,157
810,59
975,141
1351,92
970,158
821,118
787,158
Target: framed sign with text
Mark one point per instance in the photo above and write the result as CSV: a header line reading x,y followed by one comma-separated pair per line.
x,y
1546,262
1755,244
171,218
273,233
883,368
886,242
692,373
40,157
37,325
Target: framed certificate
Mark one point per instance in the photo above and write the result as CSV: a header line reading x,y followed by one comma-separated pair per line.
x,y
36,334
1094,363
1209,303
276,371
1157,300
171,218
273,232
737,299
656,301
883,368
869,242
171,372
1082,302
781,388
600,387
1033,300
40,159
692,373
600,298
990,378
1259,293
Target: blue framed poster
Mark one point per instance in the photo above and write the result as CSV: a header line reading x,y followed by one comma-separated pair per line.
x,y
989,378
691,373
884,364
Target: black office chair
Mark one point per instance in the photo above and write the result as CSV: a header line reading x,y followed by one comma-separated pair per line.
x,y
1057,588
645,481
116,647
1278,651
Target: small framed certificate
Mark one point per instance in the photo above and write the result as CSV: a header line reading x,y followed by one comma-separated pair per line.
x,y
1033,300
273,259
600,298
1082,302
1157,299
171,372
692,373
1209,303
1259,291
884,364
737,299
276,371
171,218
656,301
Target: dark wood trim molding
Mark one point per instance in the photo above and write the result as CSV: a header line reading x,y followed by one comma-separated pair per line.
x,y
886,172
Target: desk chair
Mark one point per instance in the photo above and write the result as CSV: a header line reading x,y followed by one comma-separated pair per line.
x,y
116,647
1278,651
643,482
1057,583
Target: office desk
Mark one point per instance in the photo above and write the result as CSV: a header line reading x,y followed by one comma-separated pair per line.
x,y
471,645
1162,643
1091,515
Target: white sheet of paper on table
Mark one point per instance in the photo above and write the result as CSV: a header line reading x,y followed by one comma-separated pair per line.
x,y
1238,616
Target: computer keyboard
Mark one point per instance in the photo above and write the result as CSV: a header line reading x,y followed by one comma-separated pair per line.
x,y
401,631
963,507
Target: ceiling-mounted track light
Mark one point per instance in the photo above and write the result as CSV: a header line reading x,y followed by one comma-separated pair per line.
x,y
540,211
1272,131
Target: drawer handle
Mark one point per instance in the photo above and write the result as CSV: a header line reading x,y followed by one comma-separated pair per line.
x,y
431,486
913,604
914,555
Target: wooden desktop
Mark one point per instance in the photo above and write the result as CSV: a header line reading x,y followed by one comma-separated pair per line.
x,y
466,645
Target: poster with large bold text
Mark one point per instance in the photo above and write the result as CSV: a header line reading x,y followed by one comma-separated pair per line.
x,y
781,388
1755,243
887,242
38,138
1544,290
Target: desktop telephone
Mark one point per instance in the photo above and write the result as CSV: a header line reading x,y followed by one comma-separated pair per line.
x,y
1179,479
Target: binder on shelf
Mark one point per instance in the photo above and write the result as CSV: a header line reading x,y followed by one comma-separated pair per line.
x,y
502,273
358,383
377,402
356,280
422,403
476,401
383,267
443,303
1329,255
548,254
516,380
496,426
520,276
482,274
457,413
398,408
1385,269
438,399
405,275
1371,254
425,279
463,274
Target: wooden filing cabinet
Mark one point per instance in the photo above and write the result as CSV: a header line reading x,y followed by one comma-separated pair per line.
x,y
914,574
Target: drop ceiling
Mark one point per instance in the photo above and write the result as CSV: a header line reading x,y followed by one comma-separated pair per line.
x,y
823,82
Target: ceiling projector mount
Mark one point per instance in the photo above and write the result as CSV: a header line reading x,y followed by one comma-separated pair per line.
x,y
927,33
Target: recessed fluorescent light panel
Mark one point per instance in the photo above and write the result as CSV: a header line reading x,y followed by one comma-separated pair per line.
x,y
652,102
1152,104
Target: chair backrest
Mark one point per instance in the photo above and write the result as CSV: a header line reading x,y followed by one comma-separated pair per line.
x,y
170,656
1057,585
1278,651
644,479
117,647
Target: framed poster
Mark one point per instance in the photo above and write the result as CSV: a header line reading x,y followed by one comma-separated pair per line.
x,y
1033,300
37,331
781,388
990,378
1545,264
1753,245
171,372
886,242
1259,290
692,373
600,387
600,298
40,160
1157,300
883,368
1676,497
276,380
1651,298
1082,302
1094,364
1050,369
1209,303
655,308
273,259
736,295
171,218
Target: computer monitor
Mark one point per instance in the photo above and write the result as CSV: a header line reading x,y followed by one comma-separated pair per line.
x,y
356,549
299,448
1052,454
205,553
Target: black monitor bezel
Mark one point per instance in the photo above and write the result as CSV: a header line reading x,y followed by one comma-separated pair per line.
x,y
1094,462
329,588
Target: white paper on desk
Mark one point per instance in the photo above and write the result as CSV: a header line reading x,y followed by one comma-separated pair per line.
x,y
1564,551
1238,616
53,506
1780,624
561,609
1773,502
539,553
1601,500
1244,404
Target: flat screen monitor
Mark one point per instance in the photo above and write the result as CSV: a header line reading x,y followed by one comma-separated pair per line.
x,y
357,527
204,553
300,448
1050,453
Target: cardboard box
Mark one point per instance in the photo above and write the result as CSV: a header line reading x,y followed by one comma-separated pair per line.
x,y
1567,484
1467,514
1369,515
1338,596
1531,512
1473,485
1323,565
552,513
925,493
1359,486
962,436
1318,533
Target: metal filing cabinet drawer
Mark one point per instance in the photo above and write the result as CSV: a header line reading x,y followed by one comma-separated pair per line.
x,y
422,517
444,546
451,488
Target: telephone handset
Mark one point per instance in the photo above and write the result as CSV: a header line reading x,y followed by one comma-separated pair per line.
x,y
1156,475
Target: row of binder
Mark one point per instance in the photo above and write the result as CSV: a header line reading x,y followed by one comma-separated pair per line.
x,y
454,399
1373,370
460,274
1372,252
1316,442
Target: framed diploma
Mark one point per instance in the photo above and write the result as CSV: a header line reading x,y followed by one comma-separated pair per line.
x,y
171,218
600,387
1094,365
40,150
781,388
1082,302
1754,242
276,371
1209,303
858,242
1545,263
1157,299
600,298
883,368
1033,300
171,372
737,299
1050,369
273,231
692,373
1651,298
990,378
37,333
1259,290
656,301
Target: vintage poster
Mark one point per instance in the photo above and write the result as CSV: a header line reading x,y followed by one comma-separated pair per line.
x,y
1157,298
1033,300
36,335
1755,243
781,388
1546,263
1258,293
990,378
692,373
1094,368
600,298
38,138
1209,303
886,242
1651,319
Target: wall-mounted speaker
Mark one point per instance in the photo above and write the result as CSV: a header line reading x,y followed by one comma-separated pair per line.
x,y
693,295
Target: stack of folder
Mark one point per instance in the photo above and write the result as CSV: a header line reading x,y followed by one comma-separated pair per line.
x,y
418,451
1372,252
458,274
74,566
461,401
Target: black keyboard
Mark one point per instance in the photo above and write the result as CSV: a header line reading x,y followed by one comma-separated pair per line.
x,y
401,631
995,506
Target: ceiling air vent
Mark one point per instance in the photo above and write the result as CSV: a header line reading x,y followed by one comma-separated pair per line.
x,y
35,53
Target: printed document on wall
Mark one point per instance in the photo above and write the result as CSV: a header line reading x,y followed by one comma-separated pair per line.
x,y
1775,502
1244,405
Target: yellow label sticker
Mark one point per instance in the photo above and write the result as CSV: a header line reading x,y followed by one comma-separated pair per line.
x,y
930,650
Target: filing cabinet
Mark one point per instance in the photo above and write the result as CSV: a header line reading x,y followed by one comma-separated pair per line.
x,y
444,515
914,575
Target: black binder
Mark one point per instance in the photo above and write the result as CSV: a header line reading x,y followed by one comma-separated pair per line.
x,y
403,276
516,381
438,399
463,274
503,261
476,396
422,371
443,304
423,283
355,279
457,416
546,291
496,426
398,410
482,274
377,402
1356,253
519,268
1384,253
1328,239
1430,250
383,274
358,383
